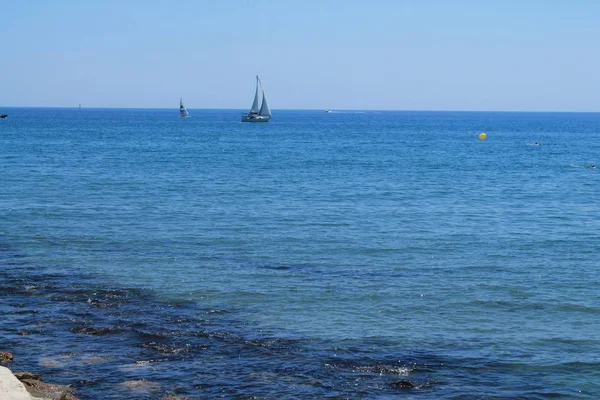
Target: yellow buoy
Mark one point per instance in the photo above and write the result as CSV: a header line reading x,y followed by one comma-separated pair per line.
x,y
482,136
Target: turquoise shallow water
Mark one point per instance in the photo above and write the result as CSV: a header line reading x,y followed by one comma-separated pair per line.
x,y
355,249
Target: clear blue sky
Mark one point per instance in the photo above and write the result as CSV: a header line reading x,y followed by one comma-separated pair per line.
x,y
311,54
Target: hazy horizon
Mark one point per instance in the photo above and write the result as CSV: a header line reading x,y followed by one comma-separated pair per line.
x,y
340,110
410,55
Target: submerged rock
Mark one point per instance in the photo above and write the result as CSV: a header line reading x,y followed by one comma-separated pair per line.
x,y
179,398
142,385
94,331
51,362
402,384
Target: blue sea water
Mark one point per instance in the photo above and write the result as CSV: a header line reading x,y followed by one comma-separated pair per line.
x,y
362,255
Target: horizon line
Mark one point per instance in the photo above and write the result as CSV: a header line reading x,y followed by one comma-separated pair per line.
x,y
307,109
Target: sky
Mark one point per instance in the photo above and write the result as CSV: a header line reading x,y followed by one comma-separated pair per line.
x,y
503,55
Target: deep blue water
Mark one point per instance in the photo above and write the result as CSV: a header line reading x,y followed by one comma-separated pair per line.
x,y
321,255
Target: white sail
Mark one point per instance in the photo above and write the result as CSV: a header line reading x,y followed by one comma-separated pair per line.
x,y
183,113
265,111
254,109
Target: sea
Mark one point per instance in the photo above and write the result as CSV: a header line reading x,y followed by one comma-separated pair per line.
x,y
322,255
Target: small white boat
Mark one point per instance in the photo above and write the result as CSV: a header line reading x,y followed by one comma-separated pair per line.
x,y
183,113
258,115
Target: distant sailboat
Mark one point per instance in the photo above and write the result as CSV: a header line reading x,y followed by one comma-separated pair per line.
x,y
183,113
258,115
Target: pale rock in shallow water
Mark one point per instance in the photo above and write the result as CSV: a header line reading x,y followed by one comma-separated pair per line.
x,y
10,387
141,385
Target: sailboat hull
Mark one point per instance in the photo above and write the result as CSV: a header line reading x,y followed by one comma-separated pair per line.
x,y
255,118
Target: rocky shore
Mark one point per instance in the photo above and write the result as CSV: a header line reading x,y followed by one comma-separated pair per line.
x,y
29,386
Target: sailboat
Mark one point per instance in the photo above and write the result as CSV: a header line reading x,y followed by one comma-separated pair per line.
x,y
183,113
258,115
